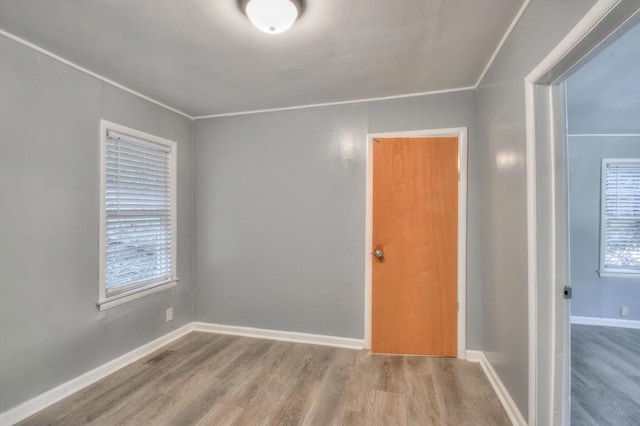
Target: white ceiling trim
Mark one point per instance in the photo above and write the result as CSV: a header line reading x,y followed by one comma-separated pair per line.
x,y
86,71
512,27
355,101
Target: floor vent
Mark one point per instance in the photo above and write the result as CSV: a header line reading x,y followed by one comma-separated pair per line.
x,y
156,359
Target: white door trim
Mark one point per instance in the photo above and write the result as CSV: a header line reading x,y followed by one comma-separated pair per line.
x,y
598,24
461,133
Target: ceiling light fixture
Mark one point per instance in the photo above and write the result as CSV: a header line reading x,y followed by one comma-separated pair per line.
x,y
272,16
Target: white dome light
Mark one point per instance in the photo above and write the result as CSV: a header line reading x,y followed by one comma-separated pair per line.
x,y
272,16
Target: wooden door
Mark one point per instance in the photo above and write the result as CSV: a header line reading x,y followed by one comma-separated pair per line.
x,y
415,225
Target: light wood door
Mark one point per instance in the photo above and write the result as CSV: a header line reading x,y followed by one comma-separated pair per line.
x,y
415,225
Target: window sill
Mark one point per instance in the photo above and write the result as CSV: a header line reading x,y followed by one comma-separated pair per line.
x,y
616,274
113,301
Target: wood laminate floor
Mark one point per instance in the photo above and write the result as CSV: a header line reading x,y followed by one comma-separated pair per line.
x,y
605,376
210,379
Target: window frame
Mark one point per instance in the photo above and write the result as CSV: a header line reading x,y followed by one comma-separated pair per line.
x,y
604,271
106,301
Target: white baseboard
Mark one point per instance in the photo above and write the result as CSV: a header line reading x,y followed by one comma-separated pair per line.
x,y
286,336
474,356
42,401
507,402
605,322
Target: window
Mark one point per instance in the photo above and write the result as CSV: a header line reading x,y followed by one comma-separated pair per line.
x,y
620,218
137,215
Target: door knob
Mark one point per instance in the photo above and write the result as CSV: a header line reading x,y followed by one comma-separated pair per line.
x,y
378,253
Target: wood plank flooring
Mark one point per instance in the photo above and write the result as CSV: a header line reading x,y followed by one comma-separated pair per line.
x,y
210,379
605,376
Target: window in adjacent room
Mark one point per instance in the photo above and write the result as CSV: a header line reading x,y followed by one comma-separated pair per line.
x,y
620,218
137,214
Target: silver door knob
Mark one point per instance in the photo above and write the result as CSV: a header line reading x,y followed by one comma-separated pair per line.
x,y
378,253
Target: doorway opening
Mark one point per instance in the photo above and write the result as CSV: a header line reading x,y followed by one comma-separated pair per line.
x,y
461,135
548,206
603,164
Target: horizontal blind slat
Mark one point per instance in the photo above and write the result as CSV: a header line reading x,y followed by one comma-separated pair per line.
x,y
138,205
122,151
134,141
621,210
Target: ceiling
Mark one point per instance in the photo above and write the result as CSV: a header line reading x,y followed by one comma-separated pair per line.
x,y
205,58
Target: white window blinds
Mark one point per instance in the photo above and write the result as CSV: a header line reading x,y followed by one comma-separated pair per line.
x,y
620,217
138,217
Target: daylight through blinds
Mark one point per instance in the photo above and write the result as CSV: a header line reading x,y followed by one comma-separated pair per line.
x,y
138,214
621,212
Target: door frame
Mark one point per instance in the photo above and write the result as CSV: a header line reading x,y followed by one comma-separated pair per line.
x,y
461,133
547,204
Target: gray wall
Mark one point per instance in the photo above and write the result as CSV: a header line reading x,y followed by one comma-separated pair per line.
x,y
280,213
50,328
603,96
502,162
594,296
